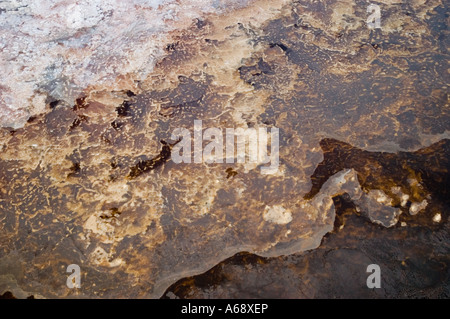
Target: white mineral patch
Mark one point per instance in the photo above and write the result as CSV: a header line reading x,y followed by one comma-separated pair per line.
x,y
417,207
437,218
403,197
54,50
277,214
380,197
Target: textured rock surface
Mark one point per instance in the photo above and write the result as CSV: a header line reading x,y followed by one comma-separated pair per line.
x,y
55,51
90,181
413,255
